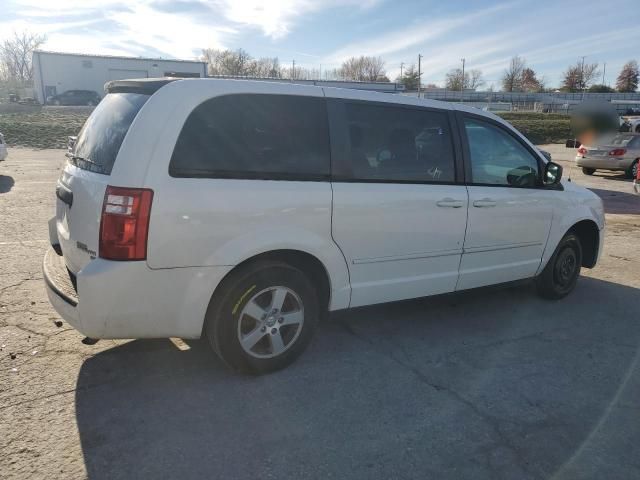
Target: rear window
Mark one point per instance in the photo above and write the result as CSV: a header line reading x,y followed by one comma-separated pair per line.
x,y
102,134
625,141
277,137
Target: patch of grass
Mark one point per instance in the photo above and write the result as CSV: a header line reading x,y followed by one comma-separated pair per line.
x,y
48,128
544,131
521,116
540,128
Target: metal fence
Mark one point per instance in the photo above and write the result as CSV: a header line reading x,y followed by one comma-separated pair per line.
x,y
552,102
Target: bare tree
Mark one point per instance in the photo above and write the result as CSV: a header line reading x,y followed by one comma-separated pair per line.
x,y
234,62
471,80
512,77
579,76
628,78
529,82
474,79
363,69
454,80
16,54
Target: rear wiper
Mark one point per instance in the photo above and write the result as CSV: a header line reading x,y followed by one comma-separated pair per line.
x,y
85,163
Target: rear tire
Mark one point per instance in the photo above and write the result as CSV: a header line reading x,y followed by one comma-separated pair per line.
x,y
588,171
632,171
560,276
285,300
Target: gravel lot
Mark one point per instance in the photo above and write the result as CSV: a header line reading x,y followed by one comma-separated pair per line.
x,y
485,384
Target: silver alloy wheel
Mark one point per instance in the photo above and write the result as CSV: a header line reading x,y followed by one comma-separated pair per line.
x,y
270,322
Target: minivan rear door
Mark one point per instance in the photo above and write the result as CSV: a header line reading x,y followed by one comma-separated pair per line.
x,y
82,183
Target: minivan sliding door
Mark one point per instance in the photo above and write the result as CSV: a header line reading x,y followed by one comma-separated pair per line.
x,y
398,216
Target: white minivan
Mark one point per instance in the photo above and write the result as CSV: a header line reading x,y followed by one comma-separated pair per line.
x,y
245,210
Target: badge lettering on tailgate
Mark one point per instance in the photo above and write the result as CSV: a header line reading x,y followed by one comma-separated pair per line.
x,y
84,248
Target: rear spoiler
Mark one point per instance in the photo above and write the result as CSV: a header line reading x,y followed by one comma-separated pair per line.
x,y
146,86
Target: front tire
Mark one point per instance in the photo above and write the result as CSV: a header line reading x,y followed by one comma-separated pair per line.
x,y
262,317
632,171
588,171
560,276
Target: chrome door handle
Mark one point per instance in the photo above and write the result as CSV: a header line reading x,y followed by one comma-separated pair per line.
x,y
485,203
450,203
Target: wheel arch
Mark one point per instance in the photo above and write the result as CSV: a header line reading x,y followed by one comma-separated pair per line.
x,y
304,261
589,235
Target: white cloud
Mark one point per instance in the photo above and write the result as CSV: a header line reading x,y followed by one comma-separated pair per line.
x,y
275,17
416,34
116,28
176,34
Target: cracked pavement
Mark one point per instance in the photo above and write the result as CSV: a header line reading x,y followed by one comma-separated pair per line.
x,y
494,383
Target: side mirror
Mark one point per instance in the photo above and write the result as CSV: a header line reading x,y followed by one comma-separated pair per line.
x,y
552,174
572,143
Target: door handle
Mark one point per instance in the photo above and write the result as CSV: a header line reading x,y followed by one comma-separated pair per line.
x,y
485,203
449,202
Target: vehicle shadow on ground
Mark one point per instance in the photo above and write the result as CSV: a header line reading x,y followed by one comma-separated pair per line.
x,y
484,384
619,202
6,183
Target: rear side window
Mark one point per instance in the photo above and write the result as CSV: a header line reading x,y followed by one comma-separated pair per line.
x,y
278,137
389,143
102,134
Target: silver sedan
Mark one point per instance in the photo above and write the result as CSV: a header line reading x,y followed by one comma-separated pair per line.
x,y
618,153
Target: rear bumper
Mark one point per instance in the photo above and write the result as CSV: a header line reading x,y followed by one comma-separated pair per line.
x,y
604,163
130,300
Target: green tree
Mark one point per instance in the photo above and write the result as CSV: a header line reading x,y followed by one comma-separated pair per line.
x,y
409,78
599,88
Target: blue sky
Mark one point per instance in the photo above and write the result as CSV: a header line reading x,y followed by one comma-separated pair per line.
x,y
549,35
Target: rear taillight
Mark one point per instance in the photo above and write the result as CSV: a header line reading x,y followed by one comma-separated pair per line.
x,y
582,151
617,152
124,225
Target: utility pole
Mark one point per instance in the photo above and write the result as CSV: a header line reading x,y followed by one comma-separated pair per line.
x,y
293,69
462,81
320,74
401,67
582,84
604,70
419,74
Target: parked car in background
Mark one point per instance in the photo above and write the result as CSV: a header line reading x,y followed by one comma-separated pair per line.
x,y
3,148
630,124
619,152
75,97
244,211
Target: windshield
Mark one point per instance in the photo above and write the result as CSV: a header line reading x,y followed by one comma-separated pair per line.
x,y
102,134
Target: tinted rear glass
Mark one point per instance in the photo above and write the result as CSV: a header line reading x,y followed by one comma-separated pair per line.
x,y
622,140
102,134
281,137
391,143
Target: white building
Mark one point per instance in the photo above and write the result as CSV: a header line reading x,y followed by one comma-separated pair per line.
x,y
55,72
